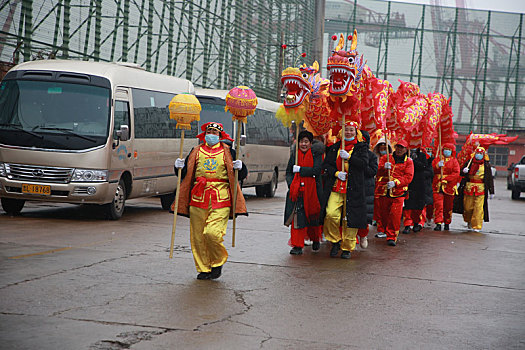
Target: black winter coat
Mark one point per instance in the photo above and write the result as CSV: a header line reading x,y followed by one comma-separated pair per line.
x,y
355,192
417,189
314,171
370,183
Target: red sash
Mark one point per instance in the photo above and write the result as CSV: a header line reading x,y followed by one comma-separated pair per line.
x,y
306,187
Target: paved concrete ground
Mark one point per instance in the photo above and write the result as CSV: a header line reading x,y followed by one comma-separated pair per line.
x,y
69,280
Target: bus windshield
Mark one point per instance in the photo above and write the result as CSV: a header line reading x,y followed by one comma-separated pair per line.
x,y
53,115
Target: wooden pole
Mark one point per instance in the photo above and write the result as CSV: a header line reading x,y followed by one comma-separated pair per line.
x,y
176,206
296,141
234,204
343,169
388,160
440,157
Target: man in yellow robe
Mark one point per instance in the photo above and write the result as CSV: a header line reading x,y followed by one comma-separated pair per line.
x,y
206,197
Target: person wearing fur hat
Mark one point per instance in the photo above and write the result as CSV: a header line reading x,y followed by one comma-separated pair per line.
x,y
344,171
475,187
394,174
380,149
206,195
302,210
444,186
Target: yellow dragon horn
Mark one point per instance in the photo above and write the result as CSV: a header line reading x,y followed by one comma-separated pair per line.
x,y
341,43
315,66
354,41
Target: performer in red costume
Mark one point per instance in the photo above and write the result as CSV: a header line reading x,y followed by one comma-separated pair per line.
x,y
392,190
206,197
444,186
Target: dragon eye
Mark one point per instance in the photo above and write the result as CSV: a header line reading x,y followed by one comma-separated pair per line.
x,y
305,75
351,60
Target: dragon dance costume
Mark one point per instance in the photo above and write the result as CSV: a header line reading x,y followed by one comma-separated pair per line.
x,y
444,185
475,186
390,201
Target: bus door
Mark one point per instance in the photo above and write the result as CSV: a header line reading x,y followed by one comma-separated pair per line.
x,y
122,154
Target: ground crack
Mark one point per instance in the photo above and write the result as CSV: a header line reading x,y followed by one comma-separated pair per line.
x,y
127,339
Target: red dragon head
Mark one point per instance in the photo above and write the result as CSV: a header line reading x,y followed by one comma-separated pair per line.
x,y
345,68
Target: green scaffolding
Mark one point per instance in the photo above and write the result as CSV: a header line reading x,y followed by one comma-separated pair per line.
x,y
215,44
471,56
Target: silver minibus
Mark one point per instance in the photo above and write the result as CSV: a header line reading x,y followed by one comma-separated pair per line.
x,y
88,133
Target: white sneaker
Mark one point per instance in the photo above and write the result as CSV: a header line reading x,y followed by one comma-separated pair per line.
x,y
363,242
476,230
381,235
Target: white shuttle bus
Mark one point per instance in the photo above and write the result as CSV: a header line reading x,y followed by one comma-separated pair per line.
x,y
88,132
265,142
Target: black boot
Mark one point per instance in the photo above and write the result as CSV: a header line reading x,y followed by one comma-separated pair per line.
x,y
335,249
438,227
204,276
296,251
406,230
391,242
216,272
316,245
417,228
345,254
447,227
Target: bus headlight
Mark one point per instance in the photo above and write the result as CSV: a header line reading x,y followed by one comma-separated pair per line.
x,y
89,175
2,170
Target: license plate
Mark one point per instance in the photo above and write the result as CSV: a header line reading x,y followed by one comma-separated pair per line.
x,y
36,189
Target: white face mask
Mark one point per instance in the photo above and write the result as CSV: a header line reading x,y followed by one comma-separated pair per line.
x,y
447,153
211,139
478,156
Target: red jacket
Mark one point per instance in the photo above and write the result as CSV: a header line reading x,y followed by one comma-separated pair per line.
x,y
401,174
450,176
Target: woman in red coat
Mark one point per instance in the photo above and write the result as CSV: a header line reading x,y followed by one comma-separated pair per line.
x,y
394,174
444,186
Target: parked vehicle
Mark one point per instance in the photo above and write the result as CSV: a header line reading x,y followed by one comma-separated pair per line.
x,y
516,178
265,142
87,133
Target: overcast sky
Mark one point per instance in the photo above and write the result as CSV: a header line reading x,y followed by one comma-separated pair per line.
x,y
494,5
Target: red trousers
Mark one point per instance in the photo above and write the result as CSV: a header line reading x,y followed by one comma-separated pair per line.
x,y
362,232
412,217
428,213
298,235
443,208
389,213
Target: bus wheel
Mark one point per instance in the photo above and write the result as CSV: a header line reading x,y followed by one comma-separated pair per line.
x,y
270,188
12,206
166,200
115,209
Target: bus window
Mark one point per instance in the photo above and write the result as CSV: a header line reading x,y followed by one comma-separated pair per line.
x,y
265,129
152,116
121,117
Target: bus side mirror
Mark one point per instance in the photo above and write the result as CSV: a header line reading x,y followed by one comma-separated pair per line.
x,y
243,140
123,133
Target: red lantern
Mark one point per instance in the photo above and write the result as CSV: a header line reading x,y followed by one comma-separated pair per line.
x,y
334,37
283,46
303,54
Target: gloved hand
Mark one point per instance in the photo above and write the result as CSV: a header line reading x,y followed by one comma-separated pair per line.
x,y
491,196
237,164
388,165
465,170
179,163
296,168
390,184
344,154
341,176
441,163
